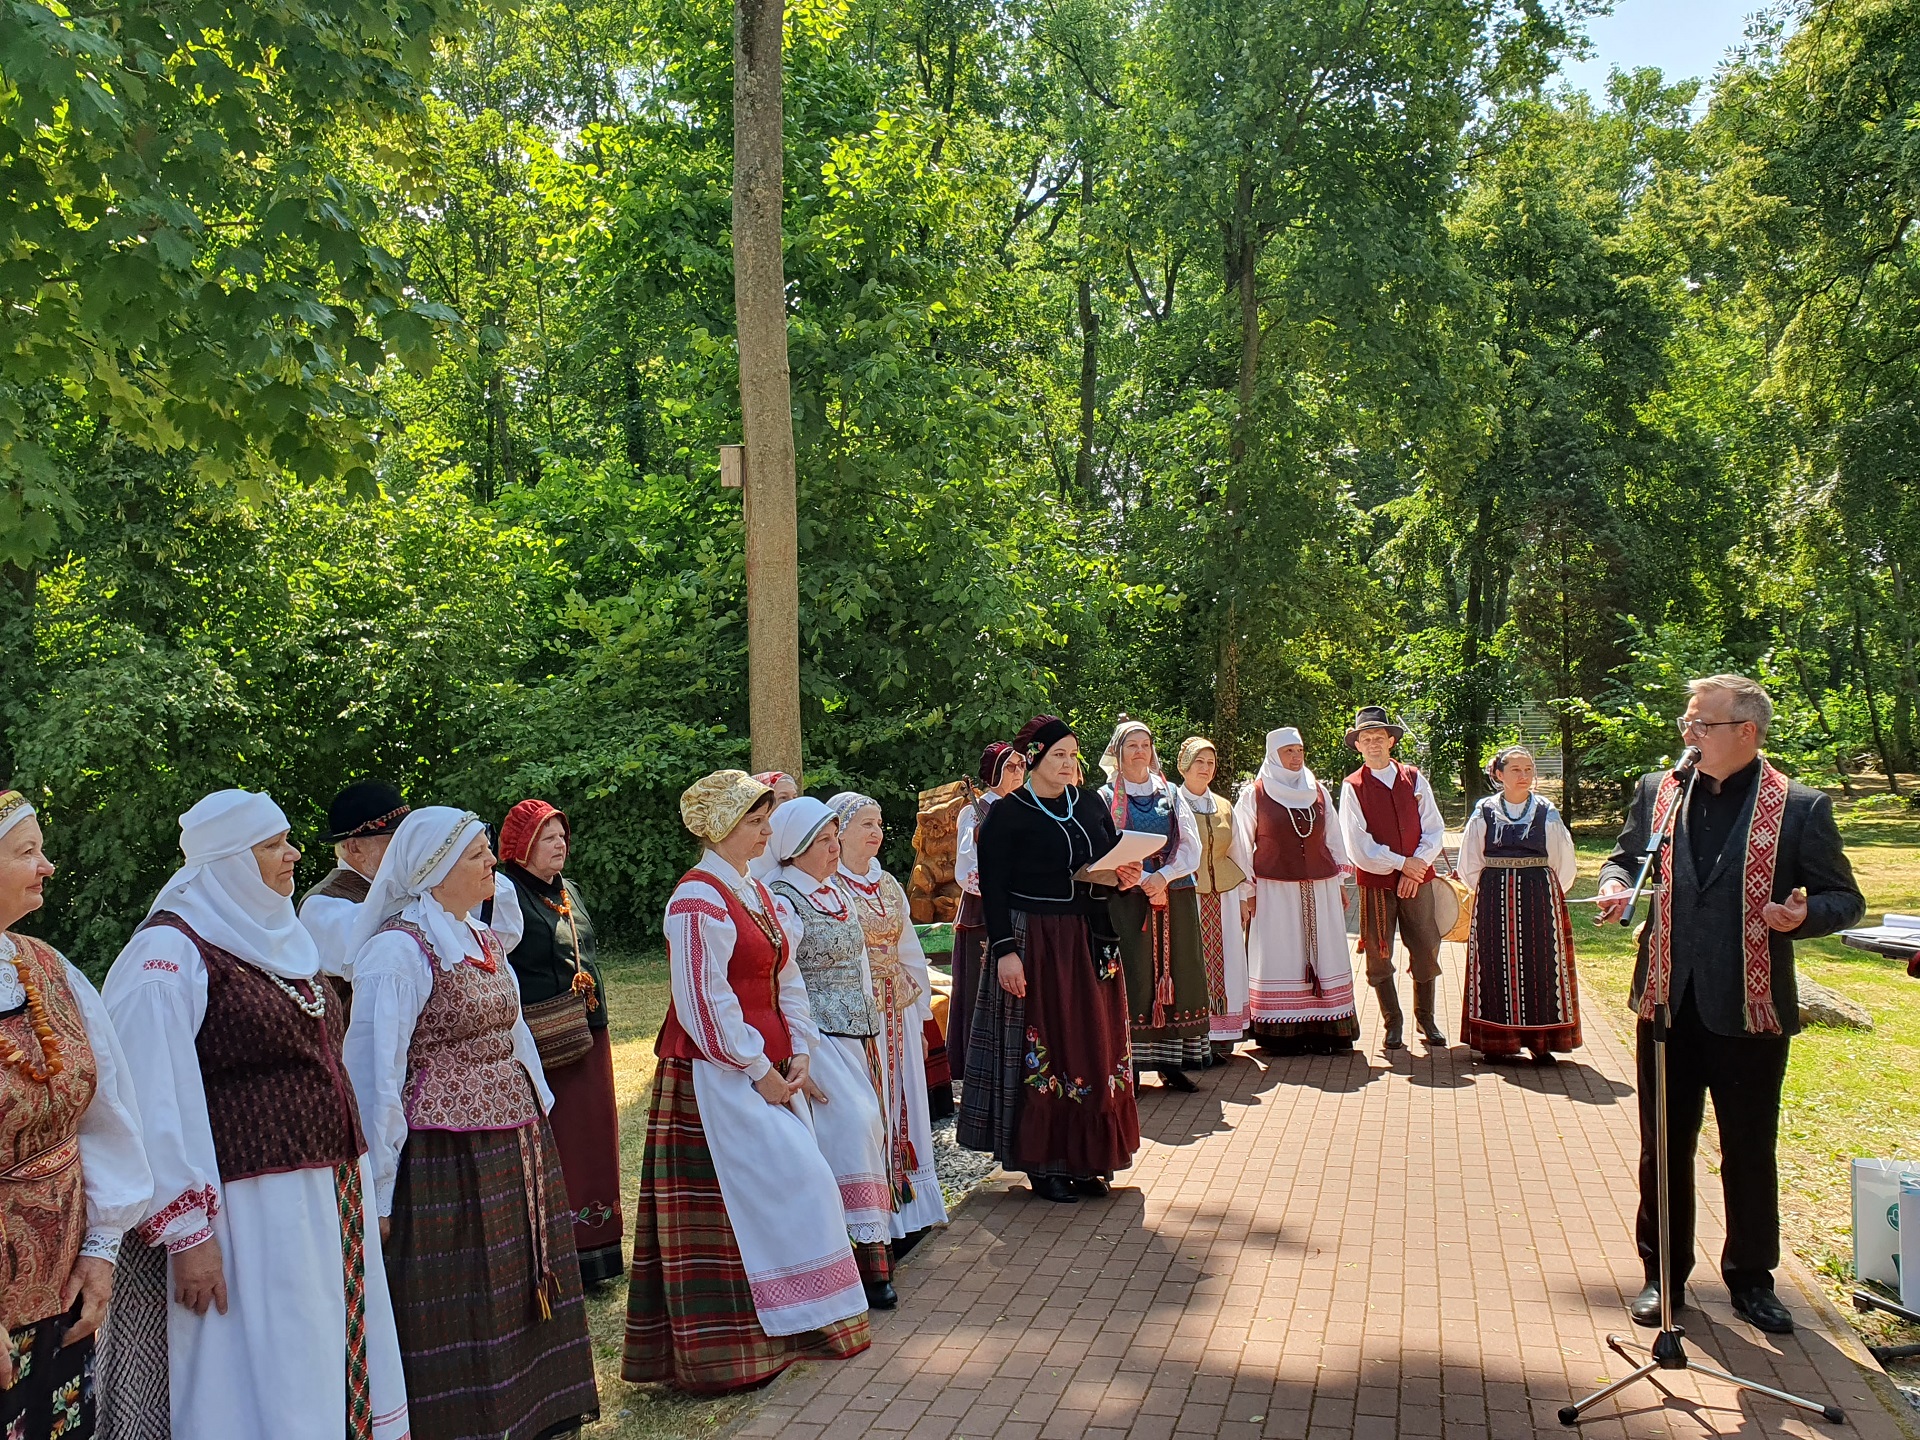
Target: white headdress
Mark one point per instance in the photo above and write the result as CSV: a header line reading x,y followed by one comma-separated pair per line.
x,y
422,853
1297,788
219,892
796,825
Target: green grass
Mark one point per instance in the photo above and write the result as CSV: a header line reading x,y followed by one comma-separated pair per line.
x,y
1848,1093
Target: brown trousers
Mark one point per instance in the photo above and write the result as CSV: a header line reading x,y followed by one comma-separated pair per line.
x,y
1381,911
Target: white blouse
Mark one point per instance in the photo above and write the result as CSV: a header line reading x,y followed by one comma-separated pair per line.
x,y
700,938
329,919
1186,853
1562,858
391,985
113,1166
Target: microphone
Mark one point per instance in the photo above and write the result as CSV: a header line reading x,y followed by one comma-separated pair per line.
x,y
1689,758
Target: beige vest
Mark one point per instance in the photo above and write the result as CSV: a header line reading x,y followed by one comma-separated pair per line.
x,y
1217,872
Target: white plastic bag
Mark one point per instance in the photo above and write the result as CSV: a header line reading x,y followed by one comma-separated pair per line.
x,y
1876,1218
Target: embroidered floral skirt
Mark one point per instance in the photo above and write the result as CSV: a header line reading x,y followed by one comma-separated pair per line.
x,y
586,1128
51,1397
1049,1086
1521,993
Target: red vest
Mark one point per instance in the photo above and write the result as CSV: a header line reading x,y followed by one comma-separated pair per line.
x,y
1392,816
753,974
1280,851
278,1097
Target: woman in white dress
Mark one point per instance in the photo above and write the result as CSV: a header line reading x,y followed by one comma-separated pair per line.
x,y
1286,835
259,1255
846,1069
902,991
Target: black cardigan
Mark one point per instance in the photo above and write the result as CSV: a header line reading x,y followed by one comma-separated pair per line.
x,y
543,960
1028,856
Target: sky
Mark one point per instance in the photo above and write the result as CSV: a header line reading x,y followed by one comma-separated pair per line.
x,y
1682,37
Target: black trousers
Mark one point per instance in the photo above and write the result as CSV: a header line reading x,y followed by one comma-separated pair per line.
x,y
1743,1074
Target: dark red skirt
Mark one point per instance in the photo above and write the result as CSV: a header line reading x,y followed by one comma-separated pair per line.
x,y
1050,1078
586,1128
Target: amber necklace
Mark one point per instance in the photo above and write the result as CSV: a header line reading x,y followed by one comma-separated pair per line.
x,y
42,1026
583,985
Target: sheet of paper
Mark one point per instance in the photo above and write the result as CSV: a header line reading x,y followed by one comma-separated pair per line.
x,y
1134,847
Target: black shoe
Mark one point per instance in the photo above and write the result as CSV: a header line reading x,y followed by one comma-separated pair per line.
x,y
881,1295
1093,1185
1645,1308
1761,1308
1056,1188
1175,1080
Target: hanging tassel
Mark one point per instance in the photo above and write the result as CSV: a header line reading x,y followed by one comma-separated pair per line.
x,y
583,985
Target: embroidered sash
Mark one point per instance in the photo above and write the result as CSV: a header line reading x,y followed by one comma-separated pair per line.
x,y
1756,891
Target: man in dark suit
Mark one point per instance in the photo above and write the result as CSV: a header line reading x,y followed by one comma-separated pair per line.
x,y
1756,863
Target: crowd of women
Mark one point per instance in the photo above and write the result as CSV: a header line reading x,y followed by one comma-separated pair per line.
x,y
348,1168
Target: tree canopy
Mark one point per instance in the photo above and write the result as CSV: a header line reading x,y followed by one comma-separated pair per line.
x,y
1227,362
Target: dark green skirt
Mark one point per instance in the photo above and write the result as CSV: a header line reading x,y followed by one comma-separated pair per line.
x,y
1166,971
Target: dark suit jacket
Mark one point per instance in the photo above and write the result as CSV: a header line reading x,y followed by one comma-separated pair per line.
x,y
1706,909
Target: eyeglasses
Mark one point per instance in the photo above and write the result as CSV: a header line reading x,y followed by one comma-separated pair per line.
x,y
1689,727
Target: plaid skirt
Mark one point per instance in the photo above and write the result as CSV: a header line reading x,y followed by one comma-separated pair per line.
x,y
51,1397
481,1361
691,1321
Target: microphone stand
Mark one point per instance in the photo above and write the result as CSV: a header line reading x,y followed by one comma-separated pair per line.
x,y
1669,1351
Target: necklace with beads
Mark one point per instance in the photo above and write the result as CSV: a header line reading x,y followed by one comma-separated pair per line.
x,y
41,1023
583,985
313,1006
868,897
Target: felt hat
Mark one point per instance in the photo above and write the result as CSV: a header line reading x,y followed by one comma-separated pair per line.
x,y
366,807
1373,717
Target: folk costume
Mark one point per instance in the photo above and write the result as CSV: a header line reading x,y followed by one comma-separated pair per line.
x,y
903,994
564,998
1160,943
741,1264
1728,978
832,955
1287,836
1521,993
255,1140
73,1176
970,925
1220,883
1387,817
1049,1087
486,1290
764,864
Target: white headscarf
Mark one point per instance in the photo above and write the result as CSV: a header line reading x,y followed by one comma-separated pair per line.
x,y
422,853
219,892
1297,788
796,825
14,807
1110,757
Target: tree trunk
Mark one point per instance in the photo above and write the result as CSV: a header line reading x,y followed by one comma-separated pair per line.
x,y
1813,699
1909,702
766,393
1888,762
19,664
1089,357
1242,259
1473,720
1569,763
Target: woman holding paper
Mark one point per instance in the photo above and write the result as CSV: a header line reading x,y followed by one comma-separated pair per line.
x,y
1049,1086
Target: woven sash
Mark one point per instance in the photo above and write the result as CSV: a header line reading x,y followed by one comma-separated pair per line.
x,y
1761,857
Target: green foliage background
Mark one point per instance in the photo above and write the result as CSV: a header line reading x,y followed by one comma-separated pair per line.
x,y
1227,362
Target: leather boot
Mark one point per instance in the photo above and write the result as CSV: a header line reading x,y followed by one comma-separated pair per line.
x,y
1423,992
1389,995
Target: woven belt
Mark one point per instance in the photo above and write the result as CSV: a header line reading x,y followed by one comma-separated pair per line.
x,y
1517,862
47,1163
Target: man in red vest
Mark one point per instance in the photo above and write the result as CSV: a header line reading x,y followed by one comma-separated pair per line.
x,y
1394,834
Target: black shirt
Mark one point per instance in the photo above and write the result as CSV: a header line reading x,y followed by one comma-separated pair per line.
x,y
1714,813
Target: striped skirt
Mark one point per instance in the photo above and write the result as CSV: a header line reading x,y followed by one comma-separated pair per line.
x,y
691,1320
1521,993
467,1283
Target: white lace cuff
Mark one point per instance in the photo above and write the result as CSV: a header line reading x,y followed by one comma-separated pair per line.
x,y
101,1245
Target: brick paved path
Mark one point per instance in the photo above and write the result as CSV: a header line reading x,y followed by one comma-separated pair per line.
x,y
1322,1248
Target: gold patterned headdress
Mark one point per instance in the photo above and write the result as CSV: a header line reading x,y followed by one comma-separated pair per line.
x,y
14,807
1191,747
714,804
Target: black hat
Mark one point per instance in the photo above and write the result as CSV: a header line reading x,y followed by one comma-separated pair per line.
x,y
364,808
1373,717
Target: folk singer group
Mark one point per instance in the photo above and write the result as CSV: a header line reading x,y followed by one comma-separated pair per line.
x,y
345,1170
